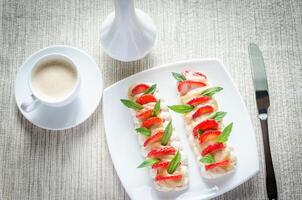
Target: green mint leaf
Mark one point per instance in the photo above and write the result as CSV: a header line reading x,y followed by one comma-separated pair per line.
x,y
151,89
148,162
181,108
174,163
167,134
207,159
156,109
143,131
178,77
211,91
223,137
218,116
131,104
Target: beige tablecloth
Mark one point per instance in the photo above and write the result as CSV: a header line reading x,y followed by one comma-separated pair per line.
x,y
75,164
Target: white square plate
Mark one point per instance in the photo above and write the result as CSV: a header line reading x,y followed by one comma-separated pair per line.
x,y
125,151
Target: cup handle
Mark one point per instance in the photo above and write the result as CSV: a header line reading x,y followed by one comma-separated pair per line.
x,y
30,103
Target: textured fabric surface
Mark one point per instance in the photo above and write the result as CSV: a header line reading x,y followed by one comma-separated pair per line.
x,y
75,164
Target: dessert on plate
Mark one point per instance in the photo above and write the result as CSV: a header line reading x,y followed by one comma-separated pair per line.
x,y
207,134
160,146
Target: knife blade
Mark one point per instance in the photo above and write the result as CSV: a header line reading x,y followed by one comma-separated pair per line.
x,y
262,99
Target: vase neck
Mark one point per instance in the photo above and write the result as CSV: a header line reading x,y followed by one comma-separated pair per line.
x,y
124,9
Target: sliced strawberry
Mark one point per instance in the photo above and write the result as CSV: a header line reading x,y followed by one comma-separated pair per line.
x,y
209,135
203,110
198,100
223,163
159,165
154,138
188,85
212,147
140,88
147,98
189,72
144,115
167,178
162,152
151,121
199,74
209,124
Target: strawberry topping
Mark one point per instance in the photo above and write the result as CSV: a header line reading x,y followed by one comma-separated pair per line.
x,y
198,100
202,110
223,163
147,98
154,138
151,121
162,152
211,148
159,165
188,85
209,135
166,178
209,124
144,115
140,88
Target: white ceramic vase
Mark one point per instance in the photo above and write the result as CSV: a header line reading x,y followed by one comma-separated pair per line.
x,y
127,34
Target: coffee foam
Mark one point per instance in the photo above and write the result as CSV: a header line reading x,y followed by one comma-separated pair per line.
x,y
54,80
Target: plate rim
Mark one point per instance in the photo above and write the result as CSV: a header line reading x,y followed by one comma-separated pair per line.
x,y
191,61
45,49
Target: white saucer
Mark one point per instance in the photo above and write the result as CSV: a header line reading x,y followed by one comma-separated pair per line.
x,y
60,118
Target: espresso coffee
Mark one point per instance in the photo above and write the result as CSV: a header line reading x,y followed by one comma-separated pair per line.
x,y
54,80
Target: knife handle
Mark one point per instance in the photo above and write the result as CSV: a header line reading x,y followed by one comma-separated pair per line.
x,y
271,186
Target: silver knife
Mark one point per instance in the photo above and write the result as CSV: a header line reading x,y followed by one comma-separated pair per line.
x,y
262,98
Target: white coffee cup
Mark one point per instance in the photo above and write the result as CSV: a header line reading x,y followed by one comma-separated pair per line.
x,y
46,77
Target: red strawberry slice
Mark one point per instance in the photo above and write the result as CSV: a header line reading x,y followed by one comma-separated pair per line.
x,y
209,135
211,148
166,178
147,98
154,138
203,110
159,165
151,121
188,85
144,115
189,72
223,163
140,88
162,152
209,124
198,100
199,74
